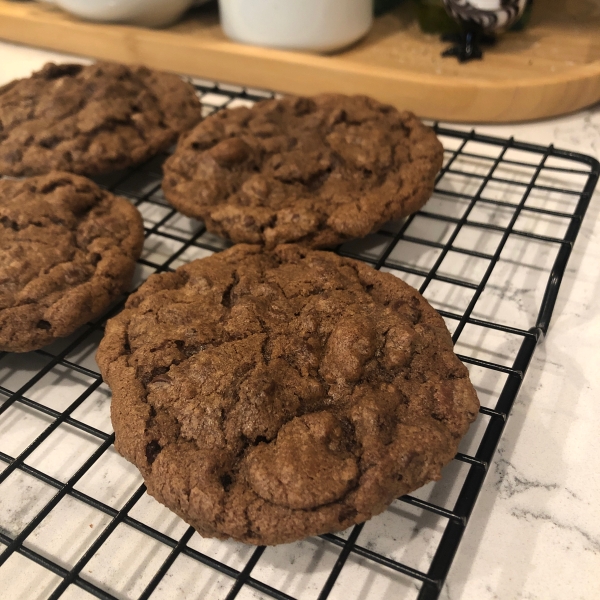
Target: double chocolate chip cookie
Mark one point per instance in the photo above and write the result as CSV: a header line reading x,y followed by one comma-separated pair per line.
x,y
316,171
91,119
67,250
271,395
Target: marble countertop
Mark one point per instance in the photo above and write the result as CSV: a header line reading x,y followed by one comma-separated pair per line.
x,y
535,530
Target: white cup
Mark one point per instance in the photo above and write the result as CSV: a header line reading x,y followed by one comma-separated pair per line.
x,y
150,13
316,25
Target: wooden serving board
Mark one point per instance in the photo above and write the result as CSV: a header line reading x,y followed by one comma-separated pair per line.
x,y
551,68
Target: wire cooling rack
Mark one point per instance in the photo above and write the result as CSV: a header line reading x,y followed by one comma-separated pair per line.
x,y
488,251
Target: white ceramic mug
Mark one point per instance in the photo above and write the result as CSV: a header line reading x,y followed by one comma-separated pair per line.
x,y
316,25
150,13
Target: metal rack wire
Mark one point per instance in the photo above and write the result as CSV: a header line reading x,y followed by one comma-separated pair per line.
x,y
495,237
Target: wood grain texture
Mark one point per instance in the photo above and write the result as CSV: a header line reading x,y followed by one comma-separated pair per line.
x,y
550,69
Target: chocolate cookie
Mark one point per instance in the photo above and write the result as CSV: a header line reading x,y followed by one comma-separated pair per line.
x,y
91,119
316,171
67,250
268,396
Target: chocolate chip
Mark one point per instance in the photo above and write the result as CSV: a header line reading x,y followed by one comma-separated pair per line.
x,y
153,449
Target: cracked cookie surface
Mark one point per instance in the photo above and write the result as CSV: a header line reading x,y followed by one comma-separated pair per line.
x,y
67,250
91,119
271,395
317,171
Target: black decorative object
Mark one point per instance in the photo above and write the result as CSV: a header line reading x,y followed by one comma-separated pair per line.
x,y
480,20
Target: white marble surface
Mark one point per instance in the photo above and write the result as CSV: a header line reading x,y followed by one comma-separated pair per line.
x,y
535,530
